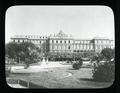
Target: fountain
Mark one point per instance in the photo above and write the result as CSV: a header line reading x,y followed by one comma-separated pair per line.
x,y
43,63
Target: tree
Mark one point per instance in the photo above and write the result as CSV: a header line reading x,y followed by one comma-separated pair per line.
x,y
106,70
78,64
108,53
12,51
26,52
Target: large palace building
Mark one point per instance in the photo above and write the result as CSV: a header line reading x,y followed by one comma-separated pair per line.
x,y
62,42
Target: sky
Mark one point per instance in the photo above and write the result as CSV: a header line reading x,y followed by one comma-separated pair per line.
x,y
82,22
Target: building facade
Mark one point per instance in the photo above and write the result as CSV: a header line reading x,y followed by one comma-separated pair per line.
x,y
62,42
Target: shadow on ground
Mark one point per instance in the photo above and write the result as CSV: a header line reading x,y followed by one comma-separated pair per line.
x,y
86,79
71,69
90,79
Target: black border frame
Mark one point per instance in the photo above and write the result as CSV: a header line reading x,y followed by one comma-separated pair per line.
x,y
5,5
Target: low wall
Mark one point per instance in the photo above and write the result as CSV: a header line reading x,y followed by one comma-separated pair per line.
x,y
27,84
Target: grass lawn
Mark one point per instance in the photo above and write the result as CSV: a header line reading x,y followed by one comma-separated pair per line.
x,y
58,78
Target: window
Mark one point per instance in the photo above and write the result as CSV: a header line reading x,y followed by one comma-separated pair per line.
x,y
69,41
83,46
89,46
18,41
23,40
56,41
52,41
75,46
65,41
98,47
101,41
60,41
79,46
52,47
86,46
13,40
68,47
40,42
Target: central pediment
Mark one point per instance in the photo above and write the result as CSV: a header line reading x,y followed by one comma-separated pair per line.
x,y
61,34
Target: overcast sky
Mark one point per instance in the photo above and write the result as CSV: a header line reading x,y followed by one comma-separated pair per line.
x,y
83,22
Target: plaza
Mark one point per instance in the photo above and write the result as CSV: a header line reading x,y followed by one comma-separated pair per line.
x,y
60,77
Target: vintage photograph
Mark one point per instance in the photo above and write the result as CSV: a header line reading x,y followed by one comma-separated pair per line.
x,y
59,47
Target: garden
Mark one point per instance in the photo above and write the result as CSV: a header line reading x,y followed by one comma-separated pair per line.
x,y
72,74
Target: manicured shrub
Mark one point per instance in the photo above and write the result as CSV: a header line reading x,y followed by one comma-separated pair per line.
x,y
104,72
7,73
78,64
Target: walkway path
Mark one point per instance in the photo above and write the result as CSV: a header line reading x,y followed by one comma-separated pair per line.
x,y
36,68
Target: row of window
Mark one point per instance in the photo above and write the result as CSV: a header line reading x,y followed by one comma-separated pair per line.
x,y
60,50
22,36
83,46
102,47
82,41
33,41
76,46
103,41
19,40
38,41
82,50
61,41
65,41
60,47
